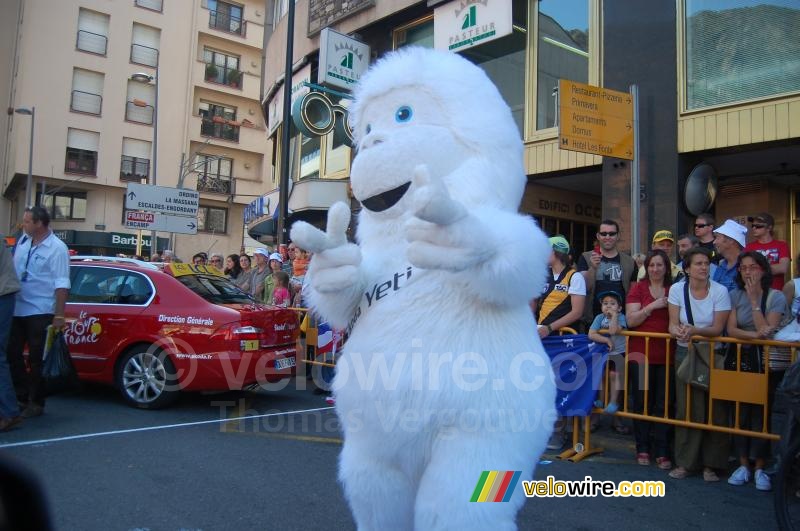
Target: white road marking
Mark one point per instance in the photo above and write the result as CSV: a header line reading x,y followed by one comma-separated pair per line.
x,y
153,428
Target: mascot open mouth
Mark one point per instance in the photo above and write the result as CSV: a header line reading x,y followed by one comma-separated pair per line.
x,y
387,199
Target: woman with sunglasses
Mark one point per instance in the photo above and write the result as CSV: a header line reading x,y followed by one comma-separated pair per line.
x,y
756,311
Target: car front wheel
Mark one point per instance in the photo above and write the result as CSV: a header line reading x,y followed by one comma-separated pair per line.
x,y
146,378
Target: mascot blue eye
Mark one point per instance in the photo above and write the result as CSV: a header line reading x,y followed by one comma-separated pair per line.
x,y
369,128
403,114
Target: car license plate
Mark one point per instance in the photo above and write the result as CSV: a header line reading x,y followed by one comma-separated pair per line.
x,y
284,363
250,344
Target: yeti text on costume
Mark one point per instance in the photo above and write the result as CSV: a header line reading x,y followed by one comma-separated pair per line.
x,y
379,291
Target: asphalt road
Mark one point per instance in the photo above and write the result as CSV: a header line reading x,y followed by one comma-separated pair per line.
x,y
105,466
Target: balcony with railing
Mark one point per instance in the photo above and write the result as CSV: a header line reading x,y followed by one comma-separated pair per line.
x,y
155,5
226,22
139,111
144,55
134,169
224,75
91,42
245,136
214,184
218,127
86,102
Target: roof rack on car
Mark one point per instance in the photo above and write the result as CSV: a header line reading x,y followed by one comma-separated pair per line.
x,y
116,259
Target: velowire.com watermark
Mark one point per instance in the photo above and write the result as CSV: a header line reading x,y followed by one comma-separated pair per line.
x,y
553,488
499,486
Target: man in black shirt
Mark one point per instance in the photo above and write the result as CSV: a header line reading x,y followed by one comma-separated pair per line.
x,y
608,270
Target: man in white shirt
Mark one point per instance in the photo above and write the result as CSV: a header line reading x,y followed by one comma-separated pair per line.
x,y
42,264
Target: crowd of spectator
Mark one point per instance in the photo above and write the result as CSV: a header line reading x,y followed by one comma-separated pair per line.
x,y
720,286
257,274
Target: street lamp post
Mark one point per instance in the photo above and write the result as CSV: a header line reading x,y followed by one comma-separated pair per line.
x,y
29,182
147,78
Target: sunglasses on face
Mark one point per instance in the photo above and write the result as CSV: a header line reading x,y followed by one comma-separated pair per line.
x,y
749,268
606,234
701,225
757,226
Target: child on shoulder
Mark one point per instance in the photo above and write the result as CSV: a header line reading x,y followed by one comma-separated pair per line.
x,y
613,320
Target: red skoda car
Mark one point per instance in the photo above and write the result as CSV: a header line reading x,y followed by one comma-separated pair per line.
x,y
153,331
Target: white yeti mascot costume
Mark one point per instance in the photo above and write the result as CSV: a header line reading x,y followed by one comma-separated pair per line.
x,y
443,375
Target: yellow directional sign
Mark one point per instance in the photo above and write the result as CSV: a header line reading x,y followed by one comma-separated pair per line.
x,y
595,120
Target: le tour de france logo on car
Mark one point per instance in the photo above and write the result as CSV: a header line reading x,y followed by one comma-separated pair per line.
x,y
84,329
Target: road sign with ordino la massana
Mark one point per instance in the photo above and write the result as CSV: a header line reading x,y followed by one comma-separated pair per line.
x,y
161,222
162,200
595,120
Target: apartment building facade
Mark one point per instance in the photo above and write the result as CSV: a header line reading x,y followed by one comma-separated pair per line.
x,y
719,108
106,77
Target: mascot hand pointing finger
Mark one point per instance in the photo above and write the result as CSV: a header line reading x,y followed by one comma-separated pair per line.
x,y
443,375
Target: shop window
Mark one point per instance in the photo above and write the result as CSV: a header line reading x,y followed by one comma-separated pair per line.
x,y
326,157
337,156
562,52
740,50
309,157
417,33
65,205
503,60
212,219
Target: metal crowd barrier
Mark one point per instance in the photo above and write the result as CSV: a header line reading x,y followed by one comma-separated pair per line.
x,y
307,349
733,386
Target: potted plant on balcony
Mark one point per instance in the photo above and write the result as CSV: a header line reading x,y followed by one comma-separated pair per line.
x,y
211,72
234,78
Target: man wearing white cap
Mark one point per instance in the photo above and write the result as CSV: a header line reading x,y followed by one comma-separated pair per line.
x,y
729,240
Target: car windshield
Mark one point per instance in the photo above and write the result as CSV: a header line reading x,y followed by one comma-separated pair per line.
x,y
216,290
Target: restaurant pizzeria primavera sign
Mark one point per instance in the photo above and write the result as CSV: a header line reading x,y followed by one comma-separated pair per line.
x,y
462,24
